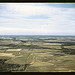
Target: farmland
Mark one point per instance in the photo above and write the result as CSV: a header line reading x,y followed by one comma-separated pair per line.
x,y
37,54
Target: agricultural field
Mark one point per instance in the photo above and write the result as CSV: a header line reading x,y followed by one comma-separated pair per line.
x,y
37,54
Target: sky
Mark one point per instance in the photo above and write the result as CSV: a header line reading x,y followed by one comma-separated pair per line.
x,y
37,18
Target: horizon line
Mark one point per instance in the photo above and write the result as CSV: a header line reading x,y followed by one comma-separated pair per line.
x,y
37,35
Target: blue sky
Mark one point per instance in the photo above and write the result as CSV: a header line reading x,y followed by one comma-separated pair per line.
x,y
37,18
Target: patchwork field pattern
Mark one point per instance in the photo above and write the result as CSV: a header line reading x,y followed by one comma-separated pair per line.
x,y
37,54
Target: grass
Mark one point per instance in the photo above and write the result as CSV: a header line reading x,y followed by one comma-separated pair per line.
x,y
40,54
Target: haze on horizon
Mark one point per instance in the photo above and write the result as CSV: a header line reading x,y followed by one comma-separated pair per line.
x,y
37,18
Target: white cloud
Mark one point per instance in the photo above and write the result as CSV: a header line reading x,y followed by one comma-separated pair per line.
x,y
61,20
21,30
27,10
